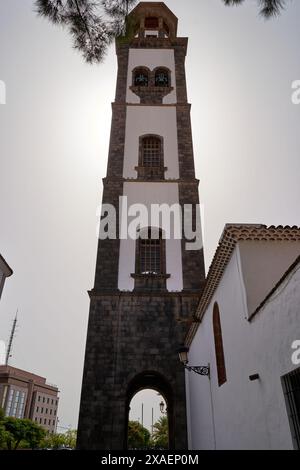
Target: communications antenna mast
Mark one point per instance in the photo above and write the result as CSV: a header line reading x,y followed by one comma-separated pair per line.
x,y
11,339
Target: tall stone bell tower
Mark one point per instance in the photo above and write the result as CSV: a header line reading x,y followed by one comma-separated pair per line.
x,y
146,289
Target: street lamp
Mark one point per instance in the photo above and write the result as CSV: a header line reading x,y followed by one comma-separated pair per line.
x,y
183,357
162,408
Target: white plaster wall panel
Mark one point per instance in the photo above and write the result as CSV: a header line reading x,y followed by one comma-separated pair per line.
x,y
147,194
226,404
151,58
263,264
248,415
141,120
275,328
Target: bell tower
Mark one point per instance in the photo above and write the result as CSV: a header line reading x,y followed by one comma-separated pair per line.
x,y
146,287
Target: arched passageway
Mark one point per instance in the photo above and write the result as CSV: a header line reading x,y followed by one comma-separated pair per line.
x,y
152,381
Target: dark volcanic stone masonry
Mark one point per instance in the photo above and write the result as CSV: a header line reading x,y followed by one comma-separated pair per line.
x,y
133,337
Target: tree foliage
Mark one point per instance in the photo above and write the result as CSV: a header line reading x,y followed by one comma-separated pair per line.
x,y
93,24
14,432
267,8
160,435
59,441
138,436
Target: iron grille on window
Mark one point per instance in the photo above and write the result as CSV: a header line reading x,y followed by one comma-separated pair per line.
x,y
150,256
291,384
161,78
141,78
151,152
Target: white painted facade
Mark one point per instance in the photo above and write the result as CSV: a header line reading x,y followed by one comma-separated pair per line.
x,y
147,194
151,58
142,120
241,414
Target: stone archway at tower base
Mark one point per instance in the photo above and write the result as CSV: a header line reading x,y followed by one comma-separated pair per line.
x,y
155,381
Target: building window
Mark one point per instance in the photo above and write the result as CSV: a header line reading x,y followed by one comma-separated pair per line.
x,y
53,422
151,157
45,421
42,410
50,411
46,410
49,422
162,78
37,409
39,398
43,399
220,359
151,151
47,401
21,406
151,253
141,77
9,402
4,395
40,420
52,401
291,387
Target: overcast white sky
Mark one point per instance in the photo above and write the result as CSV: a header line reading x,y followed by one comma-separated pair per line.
x,y
54,135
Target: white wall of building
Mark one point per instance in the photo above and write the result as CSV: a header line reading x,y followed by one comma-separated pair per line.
x,y
141,120
267,260
247,415
151,58
147,194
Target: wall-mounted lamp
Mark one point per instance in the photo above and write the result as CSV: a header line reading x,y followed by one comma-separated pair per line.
x,y
183,357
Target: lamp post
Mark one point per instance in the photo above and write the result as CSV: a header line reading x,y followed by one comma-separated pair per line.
x,y
183,357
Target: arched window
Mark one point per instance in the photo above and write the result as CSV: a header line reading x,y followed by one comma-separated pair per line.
x,y
151,255
162,78
150,261
141,77
151,151
151,157
220,359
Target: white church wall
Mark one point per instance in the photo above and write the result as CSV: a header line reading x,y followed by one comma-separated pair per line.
x,y
141,120
263,264
147,194
151,58
247,415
